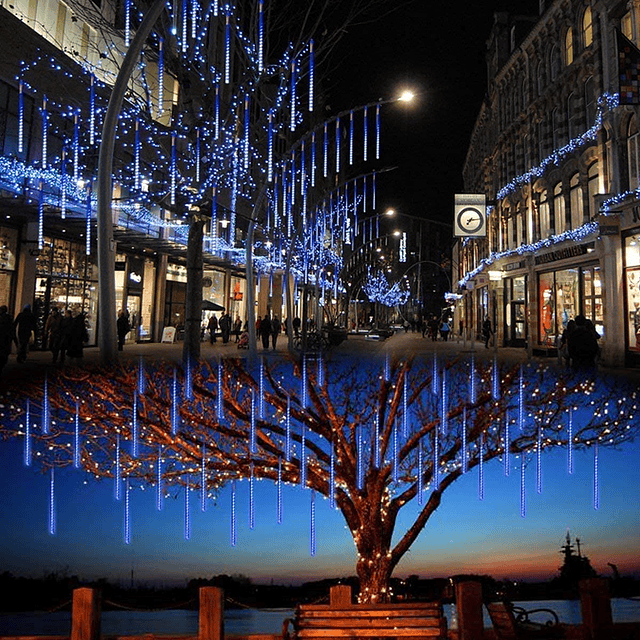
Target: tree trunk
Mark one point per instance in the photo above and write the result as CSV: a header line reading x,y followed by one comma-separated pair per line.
x,y
374,574
193,303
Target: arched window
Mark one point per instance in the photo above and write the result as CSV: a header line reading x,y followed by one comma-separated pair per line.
x,y
633,153
555,62
575,197
593,188
574,113
558,208
568,47
545,216
541,77
556,128
587,28
590,100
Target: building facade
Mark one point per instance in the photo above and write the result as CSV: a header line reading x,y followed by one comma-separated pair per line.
x,y
555,151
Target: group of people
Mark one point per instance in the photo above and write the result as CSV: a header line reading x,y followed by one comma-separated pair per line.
x,y
578,347
64,334
434,326
268,328
225,326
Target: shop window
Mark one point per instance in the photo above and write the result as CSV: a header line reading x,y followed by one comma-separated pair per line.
x,y
593,188
558,209
547,306
568,47
632,271
587,28
592,297
575,197
633,153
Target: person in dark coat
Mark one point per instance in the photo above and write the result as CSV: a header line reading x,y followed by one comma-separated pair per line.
x,y
77,336
225,327
487,332
583,346
53,328
24,325
213,327
275,331
296,326
265,331
237,328
123,327
6,335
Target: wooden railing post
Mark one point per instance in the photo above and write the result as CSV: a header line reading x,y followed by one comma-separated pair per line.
x,y
340,596
595,603
85,614
469,607
211,614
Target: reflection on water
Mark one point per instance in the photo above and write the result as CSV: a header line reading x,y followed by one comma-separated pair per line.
x,y
247,621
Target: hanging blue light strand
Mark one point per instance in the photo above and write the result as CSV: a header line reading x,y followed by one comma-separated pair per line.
x,y
270,148
45,131
261,391
444,418
312,533
260,36
227,50
351,125
287,447
194,20
507,446
320,371
359,459
435,384
88,210
198,157
365,150
187,509
570,442
52,502
377,132
134,425
376,439
252,499
185,26
473,392
27,435
539,459
175,416
159,488
252,433
523,488
436,460
293,80
332,478
136,156
172,170
220,397
596,476
203,479
76,437
160,77
312,73
127,23
464,452
387,366
40,215
20,116
405,406
63,186
396,466
481,468
338,145
127,513
234,523
279,493
521,416
303,456
117,473
495,386
216,122
326,150
303,392
420,474
46,419
247,131
313,158
142,383
75,144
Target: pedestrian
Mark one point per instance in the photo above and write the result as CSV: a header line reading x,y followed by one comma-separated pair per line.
x,y
225,327
123,327
65,331
265,331
583,346
444,330
563,345
77,336
25,326
433,328
296,326
6,335
213,327
53,329
275,331
487,331
237,328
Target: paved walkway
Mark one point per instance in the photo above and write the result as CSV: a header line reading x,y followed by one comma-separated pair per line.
x,y
355,346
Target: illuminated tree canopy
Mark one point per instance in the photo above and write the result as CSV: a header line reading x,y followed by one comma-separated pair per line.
x,y
371,436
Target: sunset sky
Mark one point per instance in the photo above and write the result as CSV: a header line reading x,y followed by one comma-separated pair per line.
x,y
466,535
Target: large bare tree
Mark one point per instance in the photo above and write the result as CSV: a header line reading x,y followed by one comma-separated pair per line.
x,y
372,436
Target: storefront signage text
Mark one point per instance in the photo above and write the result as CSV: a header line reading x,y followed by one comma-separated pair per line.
x,y
561,254
512,266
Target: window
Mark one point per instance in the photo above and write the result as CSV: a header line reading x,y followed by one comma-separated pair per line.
x,y
555,63
568,47
587,27
590,100
558,208
545,216
575,197
593,188
541,77
573,111
626,26
557,129
632,153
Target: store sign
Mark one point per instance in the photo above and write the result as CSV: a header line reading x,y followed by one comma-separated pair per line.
x,y
512,266
572,251
609,226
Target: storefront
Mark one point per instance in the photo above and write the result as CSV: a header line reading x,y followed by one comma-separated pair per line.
x,y
66,279
8,262
515,311
632,295
135,280
565,293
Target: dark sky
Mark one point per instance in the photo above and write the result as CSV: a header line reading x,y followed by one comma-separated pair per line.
x,y
440,52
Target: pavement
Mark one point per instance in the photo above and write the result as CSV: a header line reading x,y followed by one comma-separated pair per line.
x,y
356,346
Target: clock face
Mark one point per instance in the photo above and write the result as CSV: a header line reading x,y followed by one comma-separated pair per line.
x,y
470,220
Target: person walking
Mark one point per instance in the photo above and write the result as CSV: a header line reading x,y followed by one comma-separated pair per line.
x,y
24,325
53,328
65,331
296,326
225,327
487,331
77,336
123,327
6,335
237,328
265,331
583,346
213,327
275,331
444,330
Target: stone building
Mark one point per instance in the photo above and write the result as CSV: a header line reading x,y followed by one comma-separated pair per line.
x,y
555,151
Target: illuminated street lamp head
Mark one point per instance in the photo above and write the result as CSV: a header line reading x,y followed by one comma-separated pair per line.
x,y
396,233
406,96
390,212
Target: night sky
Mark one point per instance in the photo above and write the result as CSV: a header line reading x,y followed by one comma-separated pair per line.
x,y
440,54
